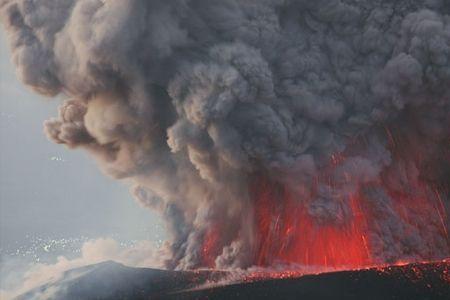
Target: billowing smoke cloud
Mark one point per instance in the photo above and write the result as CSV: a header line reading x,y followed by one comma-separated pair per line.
x,y
207,107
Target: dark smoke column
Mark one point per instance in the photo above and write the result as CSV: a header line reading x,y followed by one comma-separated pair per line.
x,y
265,132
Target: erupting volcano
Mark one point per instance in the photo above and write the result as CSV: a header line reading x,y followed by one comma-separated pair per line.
x,y
267,133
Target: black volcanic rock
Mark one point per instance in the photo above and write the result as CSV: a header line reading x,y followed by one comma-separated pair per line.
x,y
410,282
109,280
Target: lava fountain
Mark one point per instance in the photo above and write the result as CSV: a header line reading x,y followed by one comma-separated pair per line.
x,y
287,232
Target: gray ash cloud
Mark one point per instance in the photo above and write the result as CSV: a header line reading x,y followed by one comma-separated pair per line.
x,y
190,100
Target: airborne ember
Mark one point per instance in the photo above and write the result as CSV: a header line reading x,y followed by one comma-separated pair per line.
x,y
266,132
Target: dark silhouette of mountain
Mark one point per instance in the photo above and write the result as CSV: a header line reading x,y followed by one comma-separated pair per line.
x,y
110,280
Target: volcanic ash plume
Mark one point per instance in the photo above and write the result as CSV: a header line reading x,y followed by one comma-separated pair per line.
x,y
265,132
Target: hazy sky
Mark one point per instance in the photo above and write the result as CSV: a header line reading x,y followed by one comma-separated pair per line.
x,y
49,191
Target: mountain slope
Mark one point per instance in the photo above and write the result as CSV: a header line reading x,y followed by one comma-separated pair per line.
x,y
110,280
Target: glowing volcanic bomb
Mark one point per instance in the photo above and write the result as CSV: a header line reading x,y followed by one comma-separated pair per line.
x,y
272,133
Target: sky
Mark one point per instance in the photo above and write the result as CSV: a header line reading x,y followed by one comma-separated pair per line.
x,y
48,191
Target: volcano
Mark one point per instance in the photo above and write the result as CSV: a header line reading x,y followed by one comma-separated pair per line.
x,y
110,280
312,133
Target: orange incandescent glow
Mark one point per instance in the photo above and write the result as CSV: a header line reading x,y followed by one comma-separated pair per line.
x,y
288,234
293,230
210,247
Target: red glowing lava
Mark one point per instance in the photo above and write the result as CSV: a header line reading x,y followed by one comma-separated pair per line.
x,y
210,247
288,234
409,208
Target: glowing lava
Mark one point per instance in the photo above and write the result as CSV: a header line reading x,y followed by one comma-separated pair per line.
x,y
210,247
384,220
409,205
288,234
